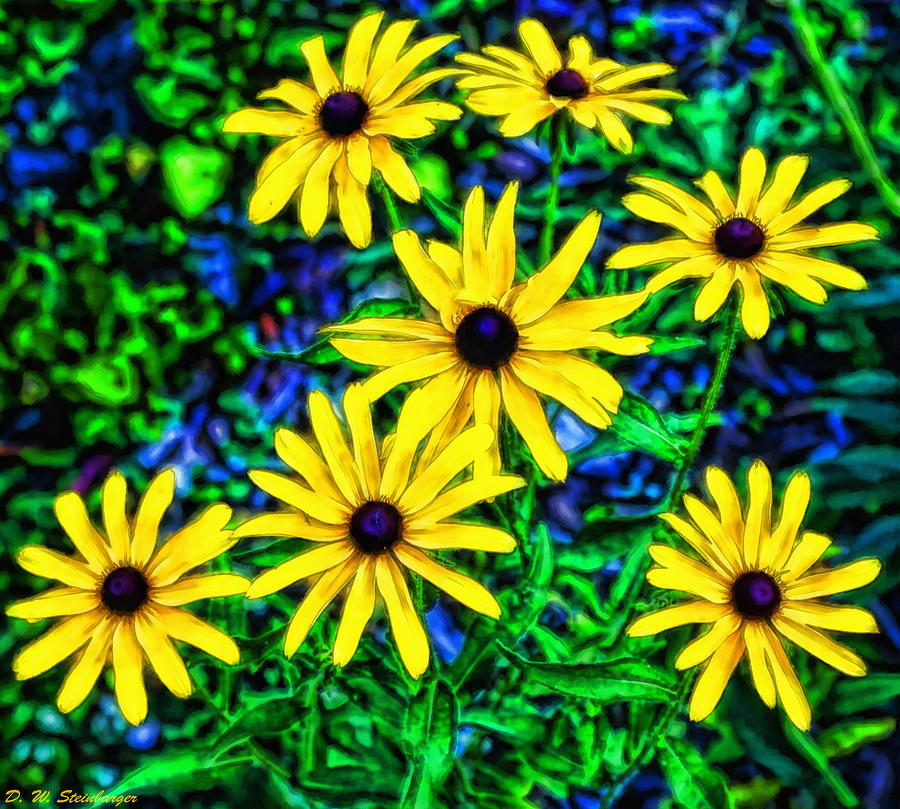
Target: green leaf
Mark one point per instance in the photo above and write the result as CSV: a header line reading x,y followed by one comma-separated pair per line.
x,y
271,717
639,424
194,176
807,747
541,570
866,693
693,783
666,344
847,737
181,770
446,215
625,679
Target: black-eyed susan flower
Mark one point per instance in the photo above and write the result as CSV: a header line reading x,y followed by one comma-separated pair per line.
x,y
373,515
525,88
754,581
492,344
121,596
339,129
754,238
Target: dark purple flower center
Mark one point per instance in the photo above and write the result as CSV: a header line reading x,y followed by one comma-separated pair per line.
x,y
486,338
567,84
343,113
375,526
124,590
739,238
755,595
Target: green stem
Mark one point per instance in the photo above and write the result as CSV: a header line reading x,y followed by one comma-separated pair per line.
x,y
557,134
729,338
845,107
389,204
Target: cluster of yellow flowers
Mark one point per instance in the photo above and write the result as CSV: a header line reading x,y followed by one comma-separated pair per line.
x,y
489,342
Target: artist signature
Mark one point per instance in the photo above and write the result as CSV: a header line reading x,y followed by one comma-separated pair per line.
x,y
68,796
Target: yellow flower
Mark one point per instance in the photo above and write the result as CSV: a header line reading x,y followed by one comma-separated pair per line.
x,y
495,344
526,89
340,128
120,596
758,236
372,513
754,581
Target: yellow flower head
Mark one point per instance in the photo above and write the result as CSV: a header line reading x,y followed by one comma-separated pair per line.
x,y
754,580
527,88
373,511
757,236
121,595
495,344
340,128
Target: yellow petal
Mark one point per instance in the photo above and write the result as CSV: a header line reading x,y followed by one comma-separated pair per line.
x,y
830,272
823,236
73,517
704,580
753,175
309,502
837,580
399,327
323,76
524,118
289,524
462,496
788,174
427,276
317,599
448,259
633,75
755,308
156,499
332,441
276,123
54,603
722,491
715,547
81,678
359,158
826,616
655,210
460,453
162,654
476,274
114,520
501,242
387,50
459,536
128,663
297,453
639,255
758,518
711,184
763,681
485,406
699,583
213,585
432,365
392,77
464,589
810,202
322,558
181,625
643,112
716,673
612,128
276,188
702,648
820,645
353,205
794,503
524,408
692,612
714,293
412,88
202,539
790,692
365,448
537,338
541,46
55,645
548,285
358,609
53,565
356,53
300,96
772,267
393,169
592,313
405,624
675,196
315,192
803,555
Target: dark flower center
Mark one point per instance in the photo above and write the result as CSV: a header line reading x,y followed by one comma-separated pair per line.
x,y
739,238
567,84
486,338
755,595
124,590
375,526
343,113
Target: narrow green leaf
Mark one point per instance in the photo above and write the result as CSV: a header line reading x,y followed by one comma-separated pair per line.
x,y
639,424
693,783
847,737
805,745
182,770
